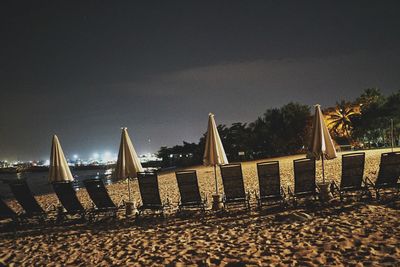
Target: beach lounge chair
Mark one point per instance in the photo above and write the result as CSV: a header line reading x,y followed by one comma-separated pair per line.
x,y
66,194
352,176
269,182
25,198
388,175
189,190
7,213
232,180
101,199
304,180
149,192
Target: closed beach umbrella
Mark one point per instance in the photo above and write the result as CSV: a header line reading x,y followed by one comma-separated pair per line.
x,y
321,145
214,153
59,170
128,163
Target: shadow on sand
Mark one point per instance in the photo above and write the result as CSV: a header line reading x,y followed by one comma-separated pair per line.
x,y
189,219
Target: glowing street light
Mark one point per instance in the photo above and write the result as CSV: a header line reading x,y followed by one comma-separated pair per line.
x,y
107,156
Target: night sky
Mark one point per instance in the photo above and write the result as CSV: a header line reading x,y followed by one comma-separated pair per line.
x,y
83,69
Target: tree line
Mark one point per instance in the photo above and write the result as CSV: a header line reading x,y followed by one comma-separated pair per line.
x,y
362,123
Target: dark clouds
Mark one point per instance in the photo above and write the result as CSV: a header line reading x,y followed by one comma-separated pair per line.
x,y
84,69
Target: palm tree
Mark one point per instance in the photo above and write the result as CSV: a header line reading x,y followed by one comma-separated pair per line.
x,y
339,119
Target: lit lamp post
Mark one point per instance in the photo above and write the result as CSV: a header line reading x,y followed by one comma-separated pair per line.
x,y
75,159
392,133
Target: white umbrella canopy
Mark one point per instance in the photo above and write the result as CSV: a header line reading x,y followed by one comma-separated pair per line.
x,y
128,163
214,153
59,170
321,146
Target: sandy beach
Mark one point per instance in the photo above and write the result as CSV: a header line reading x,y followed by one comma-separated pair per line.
x,y
354,234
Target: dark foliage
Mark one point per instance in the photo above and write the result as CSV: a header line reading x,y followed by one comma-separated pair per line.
x,y
286,130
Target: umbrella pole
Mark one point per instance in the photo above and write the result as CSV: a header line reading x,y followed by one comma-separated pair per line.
x,y
323,170
129,190
215,177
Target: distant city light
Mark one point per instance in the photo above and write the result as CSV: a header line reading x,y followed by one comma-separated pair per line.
x,y
148,157
107,156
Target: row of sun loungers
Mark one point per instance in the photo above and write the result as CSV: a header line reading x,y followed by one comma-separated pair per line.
x,y
270,189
